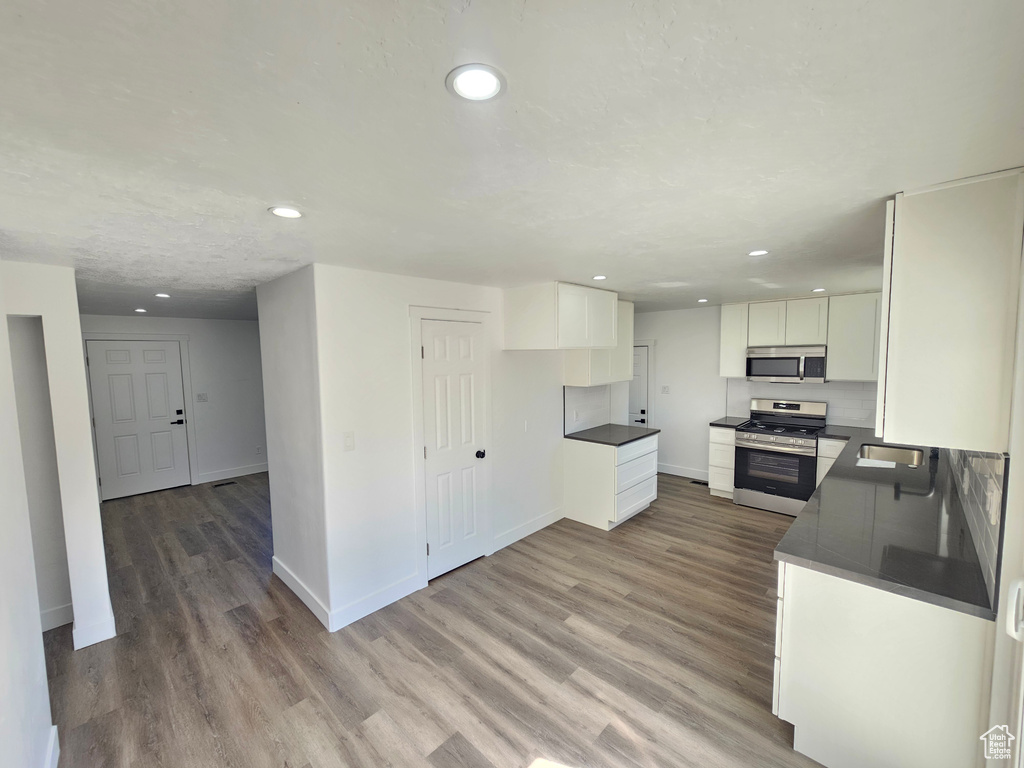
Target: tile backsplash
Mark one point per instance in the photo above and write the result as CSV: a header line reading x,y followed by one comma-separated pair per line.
x,y
979,482
850,403
586,407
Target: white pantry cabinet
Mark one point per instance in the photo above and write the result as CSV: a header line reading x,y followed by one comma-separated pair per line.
x,y
721,461
767,324
807,321
950,291
853,337
606,484
591,367
732,359
560,316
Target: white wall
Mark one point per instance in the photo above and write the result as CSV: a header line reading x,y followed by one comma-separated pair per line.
x,y
49,292
291,387
223,364
364,375
686,361
27,735
35,426
587,407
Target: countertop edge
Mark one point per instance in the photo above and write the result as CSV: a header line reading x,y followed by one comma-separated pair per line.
x,y
572,436
893,587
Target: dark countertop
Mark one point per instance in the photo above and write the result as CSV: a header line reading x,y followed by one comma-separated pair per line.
x,y
729,421
612,434
917,545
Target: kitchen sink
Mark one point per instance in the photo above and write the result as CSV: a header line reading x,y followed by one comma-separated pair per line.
x,y
912,457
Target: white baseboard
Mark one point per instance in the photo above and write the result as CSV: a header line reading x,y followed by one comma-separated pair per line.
x,y
227,474
304,593
364,606
52,750
57,617
90,634
690,472
530,526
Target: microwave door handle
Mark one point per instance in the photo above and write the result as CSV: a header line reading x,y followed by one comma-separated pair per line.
x,y
800,371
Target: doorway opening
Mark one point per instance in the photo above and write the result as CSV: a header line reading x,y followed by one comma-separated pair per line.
x,y
639,388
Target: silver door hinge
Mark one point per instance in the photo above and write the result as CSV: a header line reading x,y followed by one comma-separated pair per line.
x,y
99,481
424,451
423,354
428,549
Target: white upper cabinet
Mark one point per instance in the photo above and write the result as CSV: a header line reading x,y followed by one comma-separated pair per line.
x,y
807,321
853,333
733,357
591,367
560,316
767,324
951,294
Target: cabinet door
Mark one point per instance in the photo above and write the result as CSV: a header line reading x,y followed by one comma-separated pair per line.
x,y
602,317
807,321
767,324
572,316
952,314
622,354
732,360
853,328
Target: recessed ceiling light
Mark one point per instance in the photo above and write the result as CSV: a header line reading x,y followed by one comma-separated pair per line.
x,y
476,82
140,310
600,277
702,301
818,290
758,253
162,295
285,212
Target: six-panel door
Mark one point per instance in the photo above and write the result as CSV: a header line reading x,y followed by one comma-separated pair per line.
x,y
138,406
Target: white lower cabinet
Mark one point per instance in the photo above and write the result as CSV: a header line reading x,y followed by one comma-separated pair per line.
x,y
607,484
828,451
858,668
721,461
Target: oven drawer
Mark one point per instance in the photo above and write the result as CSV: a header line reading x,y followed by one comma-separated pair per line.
x,y
630,451
632,472
722,456
635,498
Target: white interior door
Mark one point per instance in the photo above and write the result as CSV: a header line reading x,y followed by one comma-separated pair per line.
x,y
638,411
457,479
138,407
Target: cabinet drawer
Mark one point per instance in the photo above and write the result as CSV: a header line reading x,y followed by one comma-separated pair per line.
x,y
776,687
630,451
636,498
778,629
830,449
723,436
722,456
720,479
632,472
824,465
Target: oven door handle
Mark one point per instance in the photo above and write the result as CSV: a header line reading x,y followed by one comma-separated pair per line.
x,y
776,448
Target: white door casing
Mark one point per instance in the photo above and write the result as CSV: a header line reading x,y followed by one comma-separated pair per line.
x,y
639,413
456,479
137,394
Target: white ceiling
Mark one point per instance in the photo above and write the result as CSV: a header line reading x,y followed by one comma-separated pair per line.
x,y
648,141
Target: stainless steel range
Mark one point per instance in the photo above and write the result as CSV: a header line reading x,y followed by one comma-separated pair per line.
x,y
777,455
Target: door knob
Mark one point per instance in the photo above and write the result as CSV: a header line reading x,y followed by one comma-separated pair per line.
x,y
481,454
640,421
179,421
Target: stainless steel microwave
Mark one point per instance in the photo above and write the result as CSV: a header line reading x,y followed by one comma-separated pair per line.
x,y
797,365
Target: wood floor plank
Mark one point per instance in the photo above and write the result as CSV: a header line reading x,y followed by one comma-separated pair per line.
x,y
648,645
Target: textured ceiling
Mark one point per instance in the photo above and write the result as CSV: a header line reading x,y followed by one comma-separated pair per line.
x,y
648,141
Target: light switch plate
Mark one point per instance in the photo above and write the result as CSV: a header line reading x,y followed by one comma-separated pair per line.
x,y
202,397
665,390
350,440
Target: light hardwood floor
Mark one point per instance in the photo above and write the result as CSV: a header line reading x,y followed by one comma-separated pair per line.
x,y
651,645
